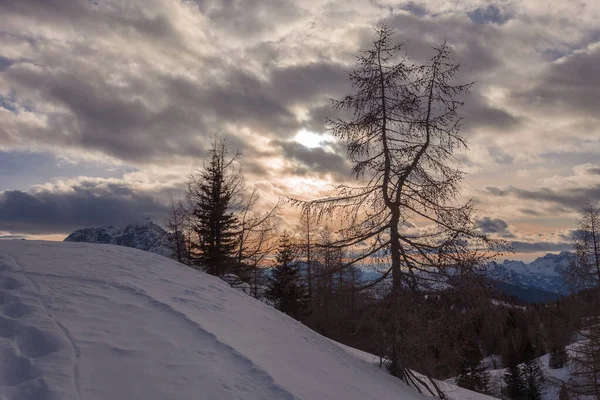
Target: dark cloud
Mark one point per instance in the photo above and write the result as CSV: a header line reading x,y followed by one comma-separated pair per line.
x,y
311,82
95,17
478,115
7,104
593,170
532,212
489,15
119,120
84,205
538,247
414,8
492,225
314,160
569,198
479,62
570,87
5,63
500,156
248,17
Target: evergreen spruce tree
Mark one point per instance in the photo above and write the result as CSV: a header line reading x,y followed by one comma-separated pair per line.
x,y
211,193
585,373
563,394
515,385
473,375
286,288
558,357
533,377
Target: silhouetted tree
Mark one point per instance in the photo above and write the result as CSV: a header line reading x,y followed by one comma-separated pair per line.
x,y
211,193
514,382
584,270
286,289
401,140
474,376
558,357
178,226
585,363
307,229
563,393
532,375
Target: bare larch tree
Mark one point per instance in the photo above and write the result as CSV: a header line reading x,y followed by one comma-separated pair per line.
x,y
401,138
178,225
584,270
583,273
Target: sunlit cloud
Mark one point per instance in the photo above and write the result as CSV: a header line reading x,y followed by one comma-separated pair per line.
x,y
131,92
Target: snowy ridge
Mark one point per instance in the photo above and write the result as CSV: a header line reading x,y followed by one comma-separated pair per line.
x,y
544,273
146,236
88,321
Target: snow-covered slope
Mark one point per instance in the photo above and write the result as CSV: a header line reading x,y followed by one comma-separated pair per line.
x,y
552,377
89,321
146,236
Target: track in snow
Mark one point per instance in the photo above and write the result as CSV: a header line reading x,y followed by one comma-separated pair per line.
x,y
29,337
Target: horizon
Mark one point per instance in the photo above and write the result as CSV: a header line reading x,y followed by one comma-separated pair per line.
x,y
106,108
524,257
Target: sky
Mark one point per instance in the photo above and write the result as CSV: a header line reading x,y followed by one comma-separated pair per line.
x,y
107,105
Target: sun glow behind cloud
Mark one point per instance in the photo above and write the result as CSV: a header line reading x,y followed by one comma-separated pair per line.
x,y
312,140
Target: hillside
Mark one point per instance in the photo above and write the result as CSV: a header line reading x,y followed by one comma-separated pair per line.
x,y
89,321
538,281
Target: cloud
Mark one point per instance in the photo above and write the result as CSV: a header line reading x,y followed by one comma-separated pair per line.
x,y
142,85
82,204
539,247
564,192
490,14
569,87
314,160
572,198
492,225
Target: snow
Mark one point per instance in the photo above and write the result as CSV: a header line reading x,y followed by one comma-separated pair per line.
x,y
553,377
144,236
544,273
452,391
93,321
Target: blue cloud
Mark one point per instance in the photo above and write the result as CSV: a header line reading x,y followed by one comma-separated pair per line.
x,y
489,15
5,63
20,170
84,206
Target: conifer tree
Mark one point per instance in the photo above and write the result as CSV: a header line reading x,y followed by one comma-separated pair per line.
x,y
558,357
563,394
212,193
532,375
585,374
473,375
533,379
515,385
286,288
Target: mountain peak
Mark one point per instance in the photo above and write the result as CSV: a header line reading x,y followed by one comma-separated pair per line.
x,y
147,236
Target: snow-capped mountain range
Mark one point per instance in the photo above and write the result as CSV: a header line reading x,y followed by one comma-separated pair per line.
x,y
146,236
544,273
519,278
